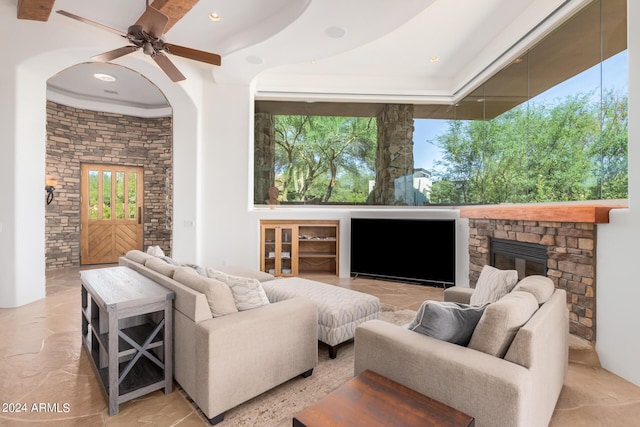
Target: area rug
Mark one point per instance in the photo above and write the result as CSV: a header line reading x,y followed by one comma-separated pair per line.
x,y
277,407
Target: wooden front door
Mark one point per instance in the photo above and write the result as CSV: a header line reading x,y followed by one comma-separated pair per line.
x,y
111,212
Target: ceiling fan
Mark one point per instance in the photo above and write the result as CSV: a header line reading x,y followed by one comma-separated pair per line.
x,y
146,34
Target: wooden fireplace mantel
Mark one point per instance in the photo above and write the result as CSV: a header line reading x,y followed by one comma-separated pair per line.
x,y
592,213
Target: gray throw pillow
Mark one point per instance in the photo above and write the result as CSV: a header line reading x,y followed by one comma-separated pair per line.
x,y
447,321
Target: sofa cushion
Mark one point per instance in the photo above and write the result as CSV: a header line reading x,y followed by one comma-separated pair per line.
x,y
540,286
160,266
236,270
501,321
493,284
218,294
138,256
447,321
247,292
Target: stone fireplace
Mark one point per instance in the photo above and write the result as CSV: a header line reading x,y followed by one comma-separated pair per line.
x,y
569,235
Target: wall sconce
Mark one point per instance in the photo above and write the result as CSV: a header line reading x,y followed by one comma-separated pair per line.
x,y
49,188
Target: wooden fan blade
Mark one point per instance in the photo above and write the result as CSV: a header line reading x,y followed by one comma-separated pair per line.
x,y
116,53
197,55
153,22
167,66
90,22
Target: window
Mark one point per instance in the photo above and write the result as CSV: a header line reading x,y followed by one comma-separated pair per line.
x,y
551,126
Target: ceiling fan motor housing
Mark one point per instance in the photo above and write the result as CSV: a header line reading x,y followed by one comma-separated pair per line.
x,y
136,33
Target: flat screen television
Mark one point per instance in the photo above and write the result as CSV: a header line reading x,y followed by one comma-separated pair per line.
x,y
412,250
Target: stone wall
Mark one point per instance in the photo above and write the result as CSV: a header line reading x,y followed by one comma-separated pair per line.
x,y
394,157
76,136
571,261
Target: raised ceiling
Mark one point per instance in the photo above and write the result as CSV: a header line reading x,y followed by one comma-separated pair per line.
x,y
331,50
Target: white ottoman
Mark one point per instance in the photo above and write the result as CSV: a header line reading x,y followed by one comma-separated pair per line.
x,y
340,310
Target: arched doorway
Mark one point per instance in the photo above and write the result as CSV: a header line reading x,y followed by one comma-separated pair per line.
x,y
110,150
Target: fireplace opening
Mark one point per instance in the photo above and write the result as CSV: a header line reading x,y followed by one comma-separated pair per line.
x,y
526,258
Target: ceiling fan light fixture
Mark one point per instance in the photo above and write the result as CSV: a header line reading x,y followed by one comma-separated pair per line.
x,y
105,77
214,17
148,49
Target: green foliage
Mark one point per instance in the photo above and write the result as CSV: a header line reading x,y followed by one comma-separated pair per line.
x,y
325,159
573,150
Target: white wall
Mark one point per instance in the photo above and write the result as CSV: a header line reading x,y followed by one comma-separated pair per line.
x,y
23,77
618,281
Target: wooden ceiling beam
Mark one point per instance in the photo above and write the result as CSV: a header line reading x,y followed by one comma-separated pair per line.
x,y
35,10
174,9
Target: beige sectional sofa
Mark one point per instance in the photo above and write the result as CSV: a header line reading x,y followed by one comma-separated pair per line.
x,y
224,361
520,388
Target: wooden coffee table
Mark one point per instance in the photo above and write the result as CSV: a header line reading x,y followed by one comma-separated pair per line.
x,y
371,400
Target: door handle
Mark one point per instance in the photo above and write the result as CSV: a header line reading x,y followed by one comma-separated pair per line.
x,y
139,215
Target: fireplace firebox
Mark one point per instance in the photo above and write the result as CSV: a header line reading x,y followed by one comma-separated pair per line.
x,y
526,258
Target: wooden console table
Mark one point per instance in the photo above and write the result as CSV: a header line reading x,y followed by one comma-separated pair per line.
x,y
373,400
127,331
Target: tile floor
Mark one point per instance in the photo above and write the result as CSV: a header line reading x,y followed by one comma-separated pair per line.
x,y
41,364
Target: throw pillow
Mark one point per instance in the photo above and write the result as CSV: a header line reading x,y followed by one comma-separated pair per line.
x,y
501,321
540,286
247,292
493,284
155,251
198,269
218,294
447,321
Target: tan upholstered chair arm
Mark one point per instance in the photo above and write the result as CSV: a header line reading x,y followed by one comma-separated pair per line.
x,y
458,294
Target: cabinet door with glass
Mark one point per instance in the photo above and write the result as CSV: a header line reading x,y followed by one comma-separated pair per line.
x,y
278,253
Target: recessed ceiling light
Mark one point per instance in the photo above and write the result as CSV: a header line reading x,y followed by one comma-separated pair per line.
x,y
256,60
335,32
434,59
214,16
518,60
105,77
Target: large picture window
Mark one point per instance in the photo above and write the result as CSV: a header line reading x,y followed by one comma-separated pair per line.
x,y
551,126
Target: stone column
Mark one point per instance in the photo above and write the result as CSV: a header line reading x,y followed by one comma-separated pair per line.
x,y
394,157
264,156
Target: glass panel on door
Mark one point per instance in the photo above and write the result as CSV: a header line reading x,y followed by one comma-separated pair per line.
x,y
93,194
119,195
133,195
285,250
270,250
106,195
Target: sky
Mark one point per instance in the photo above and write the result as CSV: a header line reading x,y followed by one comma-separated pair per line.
x,y
614,74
